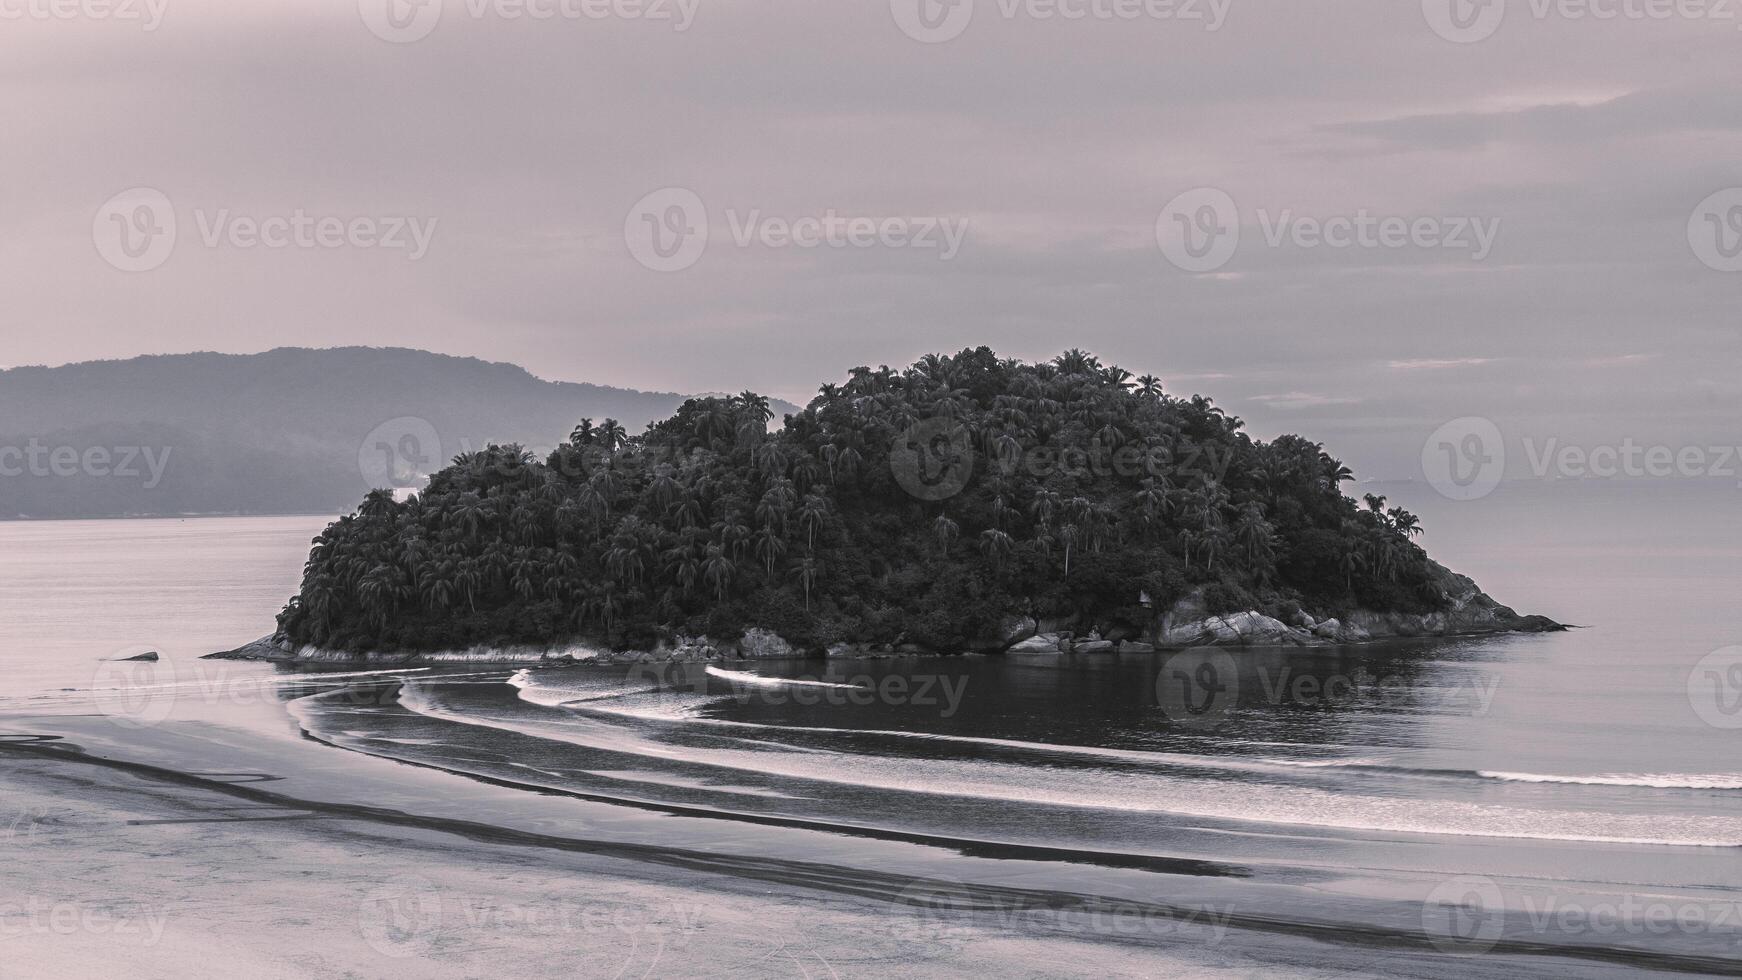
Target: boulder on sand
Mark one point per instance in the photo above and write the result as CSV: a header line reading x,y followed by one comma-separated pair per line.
x,y
1039,643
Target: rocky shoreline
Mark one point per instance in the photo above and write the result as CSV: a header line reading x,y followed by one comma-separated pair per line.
x,y
1186,624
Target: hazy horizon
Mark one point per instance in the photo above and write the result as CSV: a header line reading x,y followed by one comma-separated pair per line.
x,y
1524,198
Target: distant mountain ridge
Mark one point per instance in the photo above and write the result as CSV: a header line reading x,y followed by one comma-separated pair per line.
x,y
275,432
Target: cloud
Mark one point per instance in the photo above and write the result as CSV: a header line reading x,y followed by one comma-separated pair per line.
x,y
1702,108
1058,142
1619,360
1430,364
1295,400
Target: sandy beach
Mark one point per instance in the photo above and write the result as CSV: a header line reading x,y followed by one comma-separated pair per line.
x,y
195,817
122,870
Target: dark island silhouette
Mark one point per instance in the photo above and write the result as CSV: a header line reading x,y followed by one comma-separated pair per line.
x,y
967,503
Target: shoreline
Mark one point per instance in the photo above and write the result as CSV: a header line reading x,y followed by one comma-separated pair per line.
x,y
1188,624
324,884
1232,632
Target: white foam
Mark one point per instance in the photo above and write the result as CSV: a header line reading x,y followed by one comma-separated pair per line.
x,y
1670,780
533,691
1190,796
757,680
687,713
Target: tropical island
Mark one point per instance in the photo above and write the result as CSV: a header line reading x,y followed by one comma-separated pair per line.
x,y
966,503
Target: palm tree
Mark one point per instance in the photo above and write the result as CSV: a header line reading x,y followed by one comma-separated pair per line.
x,y
996,546
1351,562
469,513
944,530
611,434
718,571
1257,539
811,516
582,434
378,504
1042,507
806,572
1068,537
769,547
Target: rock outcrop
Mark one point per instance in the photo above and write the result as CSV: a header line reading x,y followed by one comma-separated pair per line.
x,y
1469,611
762,644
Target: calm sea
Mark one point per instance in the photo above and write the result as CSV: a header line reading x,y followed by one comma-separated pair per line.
x,y
1496,806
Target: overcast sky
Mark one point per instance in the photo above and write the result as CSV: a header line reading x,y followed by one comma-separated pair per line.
x,y
1583,150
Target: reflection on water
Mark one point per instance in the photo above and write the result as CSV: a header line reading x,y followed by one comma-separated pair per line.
x,y
1342,787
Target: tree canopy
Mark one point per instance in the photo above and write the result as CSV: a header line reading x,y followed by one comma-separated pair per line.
x,y
927,505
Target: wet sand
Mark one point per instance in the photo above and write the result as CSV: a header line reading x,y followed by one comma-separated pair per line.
x,y
146,869
111,870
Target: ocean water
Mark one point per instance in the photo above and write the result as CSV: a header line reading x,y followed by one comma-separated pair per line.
x,y
1516,805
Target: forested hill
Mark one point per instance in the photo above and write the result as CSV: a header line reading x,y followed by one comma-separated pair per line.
x,y
277,432
925,506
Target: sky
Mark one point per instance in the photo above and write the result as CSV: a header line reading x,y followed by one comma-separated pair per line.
x,y
1354,219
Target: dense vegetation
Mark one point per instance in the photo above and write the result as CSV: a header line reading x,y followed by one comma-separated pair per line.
x,y
1092,493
